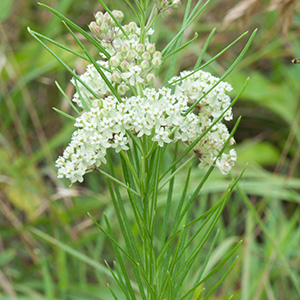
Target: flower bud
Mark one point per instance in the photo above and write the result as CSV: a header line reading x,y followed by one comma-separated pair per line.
x,y
124,65
151,48
132,26
108,19
145,64
120,55
125,48
104,27
150,78
115,77
131,54
140,48
126,29
114,61
118,15
99,17
146,55
97,103
157,54
164,3
94,28
156,62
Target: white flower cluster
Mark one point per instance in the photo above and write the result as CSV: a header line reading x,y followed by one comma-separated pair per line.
x,y
131,61
158,114
196,85
214,101
94,81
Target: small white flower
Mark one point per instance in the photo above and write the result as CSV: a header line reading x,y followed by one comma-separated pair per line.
x,y
133,75
161,136
120,142
226,162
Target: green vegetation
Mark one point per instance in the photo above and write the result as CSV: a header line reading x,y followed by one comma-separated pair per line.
x,y
51,249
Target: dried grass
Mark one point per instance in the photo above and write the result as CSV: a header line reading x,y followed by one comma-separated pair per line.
x,y
286,13
244,10
241,12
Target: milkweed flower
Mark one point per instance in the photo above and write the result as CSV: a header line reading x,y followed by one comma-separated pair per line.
x,y
158,113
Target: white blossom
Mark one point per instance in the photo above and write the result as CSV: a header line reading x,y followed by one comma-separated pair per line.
x,y
181,112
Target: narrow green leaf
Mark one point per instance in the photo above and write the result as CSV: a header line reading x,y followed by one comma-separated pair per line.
x,y
182,47
118,182
62,62
222,279
210,223
66,97
125,226
210,61
205,177
229,70
81,257
224,198
189,21
81,97
201,294
72,24
207,257
117,280
203,51
130,258
176,172
112,292
134,10
169,201
219,265
137,3
60,45
96,65
133,172
178,43
157,164
64,114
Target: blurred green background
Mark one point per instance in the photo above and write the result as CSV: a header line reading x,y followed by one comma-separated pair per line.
x,y
50,249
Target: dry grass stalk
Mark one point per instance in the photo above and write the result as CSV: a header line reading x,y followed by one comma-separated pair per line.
x,y
241,11
286,12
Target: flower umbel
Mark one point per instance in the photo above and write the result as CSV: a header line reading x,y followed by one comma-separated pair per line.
x,y
158,113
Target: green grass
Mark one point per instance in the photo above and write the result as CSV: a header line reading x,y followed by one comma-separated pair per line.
x,y
49,247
